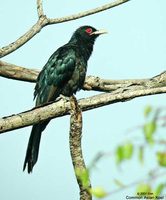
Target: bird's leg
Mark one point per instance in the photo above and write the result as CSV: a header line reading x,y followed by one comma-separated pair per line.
x,y
77,107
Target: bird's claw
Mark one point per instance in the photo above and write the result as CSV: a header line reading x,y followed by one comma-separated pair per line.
x,y
62,97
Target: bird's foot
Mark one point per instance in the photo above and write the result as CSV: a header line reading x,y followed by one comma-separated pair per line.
x,y
62,97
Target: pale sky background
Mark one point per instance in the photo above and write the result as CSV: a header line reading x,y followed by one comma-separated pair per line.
x,y
134,48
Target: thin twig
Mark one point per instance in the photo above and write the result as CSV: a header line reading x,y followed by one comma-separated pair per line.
x,y
76,149
36,28
40,8
151,178
88,12
44,21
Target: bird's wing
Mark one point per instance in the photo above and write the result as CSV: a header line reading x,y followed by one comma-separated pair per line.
x,y
55,74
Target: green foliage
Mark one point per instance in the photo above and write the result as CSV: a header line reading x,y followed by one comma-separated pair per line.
x,y
98,192
161,158
119,154
127,150
141,154
124,152
149,130
159,189
147,110
83,176
146,190
143,188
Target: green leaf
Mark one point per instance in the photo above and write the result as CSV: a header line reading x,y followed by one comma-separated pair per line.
x,y
161,157
141,154
143,188
127,151
159,189
98,192
119,154
147,110
124,152
149,129
83,176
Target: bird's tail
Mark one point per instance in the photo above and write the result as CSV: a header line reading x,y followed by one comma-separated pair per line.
x,y
33,145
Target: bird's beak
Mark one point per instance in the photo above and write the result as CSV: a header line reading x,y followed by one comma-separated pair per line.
x,y
99,32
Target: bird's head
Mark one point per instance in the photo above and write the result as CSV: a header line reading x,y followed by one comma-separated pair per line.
x,y
87,34
84,37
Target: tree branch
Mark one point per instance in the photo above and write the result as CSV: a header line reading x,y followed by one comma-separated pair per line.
x,y
121,90
44,21
75,147
11,71
134,183
15,72
62,107
40,8
88,12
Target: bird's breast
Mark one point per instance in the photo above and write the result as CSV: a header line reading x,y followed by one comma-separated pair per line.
x,y
77,80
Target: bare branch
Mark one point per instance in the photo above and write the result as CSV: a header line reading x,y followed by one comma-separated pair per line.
x,y
88,12
12,71
40,8
76,149
43,21
61,108
91,83
24,38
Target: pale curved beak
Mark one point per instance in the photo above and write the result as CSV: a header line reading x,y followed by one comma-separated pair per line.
x,y
99,32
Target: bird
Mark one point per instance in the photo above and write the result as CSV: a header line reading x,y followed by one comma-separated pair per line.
x,y
63,74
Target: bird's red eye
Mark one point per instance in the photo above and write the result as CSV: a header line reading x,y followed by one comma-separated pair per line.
x,y
88,30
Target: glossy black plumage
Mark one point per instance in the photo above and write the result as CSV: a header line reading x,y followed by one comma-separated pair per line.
x,y
64,73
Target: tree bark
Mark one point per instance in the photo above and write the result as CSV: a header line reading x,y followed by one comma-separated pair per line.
x,y
11,71
43,21
62,107
76,148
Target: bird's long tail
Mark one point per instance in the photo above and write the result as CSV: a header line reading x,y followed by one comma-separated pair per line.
x,y
33,146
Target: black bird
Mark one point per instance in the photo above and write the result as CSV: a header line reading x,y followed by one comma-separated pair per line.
x,y
64,73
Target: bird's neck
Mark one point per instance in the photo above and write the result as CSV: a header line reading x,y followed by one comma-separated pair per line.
x,y
85,47
86,50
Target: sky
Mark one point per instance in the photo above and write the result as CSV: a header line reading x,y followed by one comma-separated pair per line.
x,y
134,47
